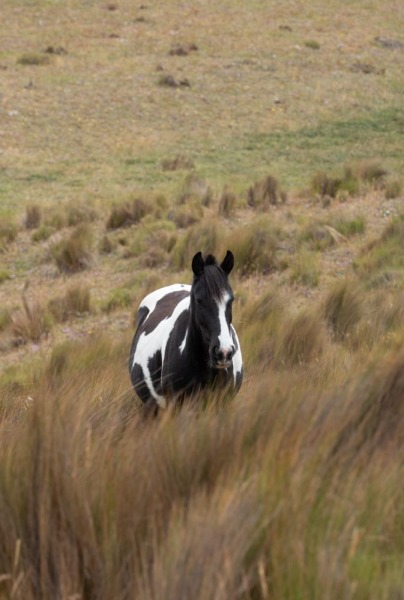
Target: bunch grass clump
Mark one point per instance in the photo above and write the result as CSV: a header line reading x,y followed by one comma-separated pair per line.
x,y
255,248
227,203
265,193
30,323
343,308
33,215
128,213
202,237
8,233
76,301
73,253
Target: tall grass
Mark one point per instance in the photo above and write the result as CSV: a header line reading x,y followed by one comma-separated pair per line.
x,y
285,493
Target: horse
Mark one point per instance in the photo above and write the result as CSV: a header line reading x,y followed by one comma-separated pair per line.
x,y
185,341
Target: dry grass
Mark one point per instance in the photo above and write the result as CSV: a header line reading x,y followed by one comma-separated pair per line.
x,y
292,490
73,253
30,323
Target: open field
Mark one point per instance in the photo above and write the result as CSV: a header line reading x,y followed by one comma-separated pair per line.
x,y
132,136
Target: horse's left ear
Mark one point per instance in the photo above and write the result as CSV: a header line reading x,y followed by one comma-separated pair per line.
x,y
228,262
198,264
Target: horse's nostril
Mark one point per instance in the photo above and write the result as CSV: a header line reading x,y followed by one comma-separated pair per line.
x,y
230,354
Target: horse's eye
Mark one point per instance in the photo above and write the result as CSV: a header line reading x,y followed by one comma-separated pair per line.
x,y
198,301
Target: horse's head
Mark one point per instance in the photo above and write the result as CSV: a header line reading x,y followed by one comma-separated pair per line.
x,y
211,306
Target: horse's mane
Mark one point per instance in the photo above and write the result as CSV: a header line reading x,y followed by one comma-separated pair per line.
x,y
213,278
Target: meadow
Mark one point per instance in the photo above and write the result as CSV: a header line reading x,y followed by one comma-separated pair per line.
x,y
132,136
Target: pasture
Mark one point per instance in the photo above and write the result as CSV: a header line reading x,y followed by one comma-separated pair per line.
x,y
134,135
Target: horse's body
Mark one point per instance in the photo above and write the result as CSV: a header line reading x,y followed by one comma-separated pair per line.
x,y
184,339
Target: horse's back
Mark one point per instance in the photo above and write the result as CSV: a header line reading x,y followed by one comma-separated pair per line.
x,y
156,318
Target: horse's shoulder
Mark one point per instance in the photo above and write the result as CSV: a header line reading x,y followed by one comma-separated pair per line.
x,y
153,298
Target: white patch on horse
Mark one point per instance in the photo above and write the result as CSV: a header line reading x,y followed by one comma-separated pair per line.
x,y
149,344
183,343
237,358
225,337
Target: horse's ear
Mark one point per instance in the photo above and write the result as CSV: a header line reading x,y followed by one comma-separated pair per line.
x,y
228,262
198,264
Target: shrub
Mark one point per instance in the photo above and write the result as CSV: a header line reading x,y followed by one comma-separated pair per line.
x,y
324,185
204,238
393,189
305,269
120,216
30,323
301,339
255,248
227,203
43,233
4,275
5,318
73,253
349,227
128,213
317,235
195,188
119,298
343,307
32,216
371,171
264,193
33,59
8,233
258,323
185,216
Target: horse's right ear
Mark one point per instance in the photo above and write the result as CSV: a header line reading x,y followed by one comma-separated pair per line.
x,y
198,264
228,262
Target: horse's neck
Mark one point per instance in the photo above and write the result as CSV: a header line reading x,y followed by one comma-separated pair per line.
x,y
196,350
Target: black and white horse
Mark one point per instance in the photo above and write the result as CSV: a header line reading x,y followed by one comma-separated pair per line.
x,y
184,341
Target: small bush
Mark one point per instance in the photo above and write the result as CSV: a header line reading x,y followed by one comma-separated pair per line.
x,y
371,171
195,188
185,216
264,193
204,238
312,44
73,253
120,216
76,301
301,340
324,185
30,323
4,275
349,227
77,214
305,270
33,59
32,216
5,318
343,308
255,248
128,214
8,233
393,189
317,236
227,203
178,162
43,233
119,298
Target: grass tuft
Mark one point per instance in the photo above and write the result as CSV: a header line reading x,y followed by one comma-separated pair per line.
x,y
343,308
73,253
32,216
265,193
30,323
227,203
255,248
